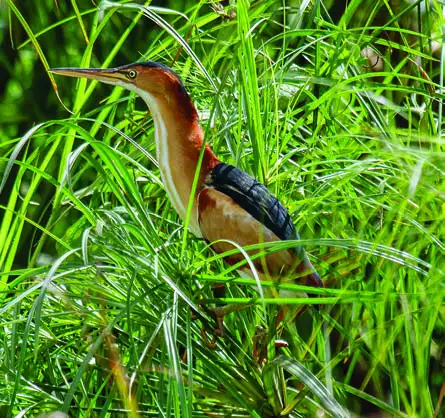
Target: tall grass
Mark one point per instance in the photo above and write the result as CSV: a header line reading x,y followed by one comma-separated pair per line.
x,y
104,310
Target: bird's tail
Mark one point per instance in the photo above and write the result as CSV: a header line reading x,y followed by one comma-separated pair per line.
x,y
308,275
305,275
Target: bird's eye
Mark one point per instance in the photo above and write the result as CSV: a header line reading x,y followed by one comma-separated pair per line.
x,y
132,74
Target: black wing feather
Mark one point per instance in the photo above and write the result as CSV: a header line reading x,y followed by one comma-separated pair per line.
x,y
254,198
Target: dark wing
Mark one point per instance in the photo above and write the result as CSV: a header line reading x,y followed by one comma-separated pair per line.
x,y
233,205
254,198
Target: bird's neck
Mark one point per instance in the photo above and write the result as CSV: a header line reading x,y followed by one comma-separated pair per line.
x,y
179,139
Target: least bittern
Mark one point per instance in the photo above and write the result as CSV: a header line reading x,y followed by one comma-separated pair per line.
x,y
229,204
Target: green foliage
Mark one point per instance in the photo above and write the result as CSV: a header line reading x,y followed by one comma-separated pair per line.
x,y
105,299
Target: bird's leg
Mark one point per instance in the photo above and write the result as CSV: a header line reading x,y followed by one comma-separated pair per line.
x,y
220,312
218,291
260,344
208,343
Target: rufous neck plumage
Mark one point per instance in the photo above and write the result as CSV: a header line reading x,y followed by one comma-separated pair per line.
x,y
179,139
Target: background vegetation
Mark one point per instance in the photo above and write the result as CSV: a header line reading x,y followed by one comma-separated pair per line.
x,y
337,108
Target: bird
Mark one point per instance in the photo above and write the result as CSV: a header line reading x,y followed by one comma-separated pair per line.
x,y
229,205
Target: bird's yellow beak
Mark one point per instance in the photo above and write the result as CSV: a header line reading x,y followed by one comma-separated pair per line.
x,y
109,75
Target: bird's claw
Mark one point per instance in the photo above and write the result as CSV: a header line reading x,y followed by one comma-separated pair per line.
x,y
218,332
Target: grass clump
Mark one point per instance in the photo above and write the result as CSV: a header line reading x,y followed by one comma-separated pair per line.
x,y
339,114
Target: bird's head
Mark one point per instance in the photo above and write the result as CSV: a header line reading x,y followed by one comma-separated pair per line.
x,y
152,81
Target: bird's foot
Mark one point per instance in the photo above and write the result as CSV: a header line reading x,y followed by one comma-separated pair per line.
x,y
218,332
220,312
